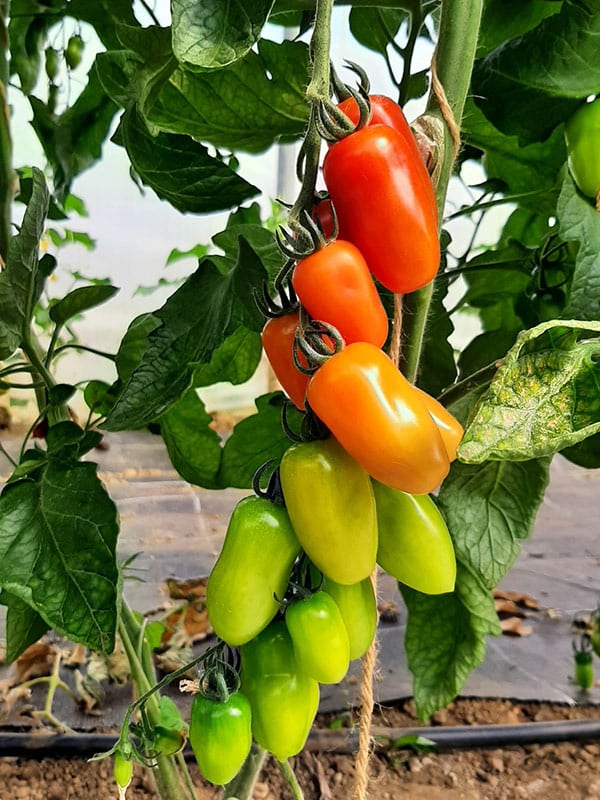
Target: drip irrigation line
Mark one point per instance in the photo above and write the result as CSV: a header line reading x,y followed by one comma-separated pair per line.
x,y
84,745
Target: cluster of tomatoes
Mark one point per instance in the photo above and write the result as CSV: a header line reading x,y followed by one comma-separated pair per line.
x,y
291,587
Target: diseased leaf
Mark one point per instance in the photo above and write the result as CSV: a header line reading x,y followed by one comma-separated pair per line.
x,y
57,546
445,639
543,398
193,446
489,508
580,223
20,282
529,85
180,170
213,34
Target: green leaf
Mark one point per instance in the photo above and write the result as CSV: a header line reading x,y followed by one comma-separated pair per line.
x,y
376,27
247,106
585,454
193,446
73,141
134,344
57,549
100,396
484,349
181,170
20,284
234,361
213,34
210,306
488,509
445,639
198,252
24,626
80,300
507,19
543,398
531,171
529,85
254,441
28,26
579,222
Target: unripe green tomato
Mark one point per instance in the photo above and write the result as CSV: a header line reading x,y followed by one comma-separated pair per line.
x,y
358,607
320,638
584,670
123,772
220,735
252,570
51,63
582,136
74,51
414,544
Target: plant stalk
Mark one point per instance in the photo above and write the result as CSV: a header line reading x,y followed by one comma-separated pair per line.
x,y
455,53
242,786
6,170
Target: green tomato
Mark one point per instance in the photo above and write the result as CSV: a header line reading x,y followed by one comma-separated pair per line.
x,y
582,136
595,632
51,63
123,771
320,638
252,570
168,741
358,607
220,735
331,505
284,699
584,669
414,544
74,51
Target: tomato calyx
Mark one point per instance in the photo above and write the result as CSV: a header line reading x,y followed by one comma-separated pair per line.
x,y
287,300
273,492
311,429
333,124
303,238
315,342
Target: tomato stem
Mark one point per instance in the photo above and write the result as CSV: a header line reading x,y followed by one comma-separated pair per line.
x,y
455,53
292,780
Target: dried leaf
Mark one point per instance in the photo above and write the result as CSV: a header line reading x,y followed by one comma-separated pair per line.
x,y
77,657
508,608
89,692
187,625
324,789
114,668
388,612
35,662
519,598
187,588
173,659
513,626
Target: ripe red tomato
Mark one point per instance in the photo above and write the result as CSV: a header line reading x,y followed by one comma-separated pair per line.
x,y
278,344
378,418
383,206
334,285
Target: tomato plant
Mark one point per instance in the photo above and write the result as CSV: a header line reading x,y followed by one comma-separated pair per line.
x,y
582,134
358,607
278,343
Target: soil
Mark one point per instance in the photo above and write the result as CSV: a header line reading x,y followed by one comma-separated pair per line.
x,y
561,771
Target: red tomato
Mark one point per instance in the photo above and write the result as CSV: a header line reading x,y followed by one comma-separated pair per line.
x,y
278,342
376,185
323,214
378,418
334,285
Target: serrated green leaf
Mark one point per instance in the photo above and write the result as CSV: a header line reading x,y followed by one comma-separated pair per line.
x,y
198,252
210,306
134,344
234,361
57,550
508,19
100,396
579,222
254,441
529,85
214,34
180,170
438,369
24,626
483,350
376,27
543,398
445,639
193,446
247,106
20,284
488,509
80,300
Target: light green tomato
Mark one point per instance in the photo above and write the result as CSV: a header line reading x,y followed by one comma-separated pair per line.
x,y
582,136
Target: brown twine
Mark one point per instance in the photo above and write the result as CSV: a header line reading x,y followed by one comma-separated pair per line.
x,y
395,343
446,111
361,779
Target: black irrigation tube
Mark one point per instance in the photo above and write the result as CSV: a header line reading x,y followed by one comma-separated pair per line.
x,y
84,745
